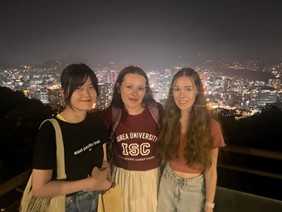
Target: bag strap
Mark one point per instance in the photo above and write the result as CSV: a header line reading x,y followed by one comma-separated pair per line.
x,y
155,114
116,116
60,153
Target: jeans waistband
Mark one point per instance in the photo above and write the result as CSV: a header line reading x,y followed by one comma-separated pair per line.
x,y
169,173
82,201
82,195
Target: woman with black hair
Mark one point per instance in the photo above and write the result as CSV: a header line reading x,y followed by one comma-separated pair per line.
x,y
84,137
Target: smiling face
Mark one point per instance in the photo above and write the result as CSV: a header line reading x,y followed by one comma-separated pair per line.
x,y
184,93
132,91
83,97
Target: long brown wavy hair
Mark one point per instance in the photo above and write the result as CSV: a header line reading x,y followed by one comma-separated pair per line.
x,y
198,142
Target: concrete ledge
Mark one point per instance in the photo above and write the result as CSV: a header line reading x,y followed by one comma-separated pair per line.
x,y
236,201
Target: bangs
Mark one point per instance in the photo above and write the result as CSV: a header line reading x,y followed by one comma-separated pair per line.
x,y
75,82
78,80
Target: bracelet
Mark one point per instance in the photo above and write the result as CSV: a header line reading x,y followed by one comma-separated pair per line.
x,y
210,205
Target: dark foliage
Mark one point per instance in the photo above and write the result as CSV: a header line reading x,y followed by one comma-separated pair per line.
x,y
262,130
19,121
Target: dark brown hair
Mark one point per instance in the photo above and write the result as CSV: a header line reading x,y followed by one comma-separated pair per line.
x,y
117,101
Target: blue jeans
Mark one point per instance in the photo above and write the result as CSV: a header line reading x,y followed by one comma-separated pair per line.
x,y
82,202
177,194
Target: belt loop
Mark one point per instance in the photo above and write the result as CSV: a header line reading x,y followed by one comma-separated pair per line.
x,y
91,195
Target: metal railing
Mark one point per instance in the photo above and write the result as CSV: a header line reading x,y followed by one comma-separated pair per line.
x,y
235,198
251,152
14,182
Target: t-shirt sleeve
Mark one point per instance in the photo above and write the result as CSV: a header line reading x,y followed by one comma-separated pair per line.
x,y
44,151
101,128
104,132
216,134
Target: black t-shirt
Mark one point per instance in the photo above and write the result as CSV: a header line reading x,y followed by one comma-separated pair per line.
x,y
83,146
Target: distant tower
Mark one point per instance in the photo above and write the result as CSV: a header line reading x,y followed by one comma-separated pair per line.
x,y
105,97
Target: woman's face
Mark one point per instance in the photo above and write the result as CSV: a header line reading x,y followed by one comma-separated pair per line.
x,y
132,91
184,93
84,97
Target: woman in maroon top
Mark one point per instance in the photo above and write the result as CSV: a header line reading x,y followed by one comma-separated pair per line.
x,y
135,161
189,142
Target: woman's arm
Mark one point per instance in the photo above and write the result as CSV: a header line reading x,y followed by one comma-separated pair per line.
x,y
105,154
211,179
43,186
106,163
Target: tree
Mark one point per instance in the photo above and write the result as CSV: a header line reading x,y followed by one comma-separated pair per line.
x,y
20,118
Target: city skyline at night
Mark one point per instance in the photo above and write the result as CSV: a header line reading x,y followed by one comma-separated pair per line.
x,y
234,45
152,34
233,39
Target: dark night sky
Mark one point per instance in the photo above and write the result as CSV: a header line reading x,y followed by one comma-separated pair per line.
x,y
151,33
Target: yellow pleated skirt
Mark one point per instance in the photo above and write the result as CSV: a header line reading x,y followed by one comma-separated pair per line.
x,y
139,189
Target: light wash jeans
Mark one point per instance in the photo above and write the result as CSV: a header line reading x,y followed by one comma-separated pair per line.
x,y
82,202
178,194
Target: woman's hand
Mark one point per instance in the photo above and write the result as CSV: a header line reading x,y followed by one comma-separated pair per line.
x,y
107,165
101,178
